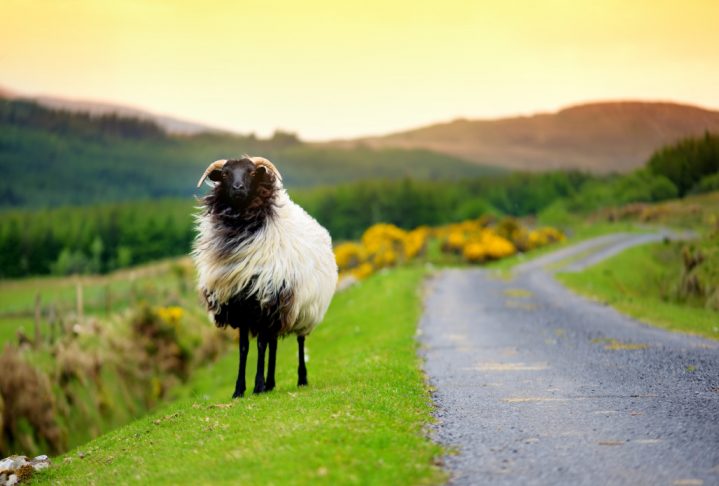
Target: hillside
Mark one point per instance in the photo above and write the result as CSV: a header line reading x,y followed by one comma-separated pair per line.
x,y
597,137
84,159
169,124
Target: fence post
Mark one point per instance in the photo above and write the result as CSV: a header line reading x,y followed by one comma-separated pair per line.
x,y
133,290
108,300
38,316
51,319
80,307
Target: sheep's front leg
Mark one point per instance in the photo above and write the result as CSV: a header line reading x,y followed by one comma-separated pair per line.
x,y
260,376
302,368
244,349
270,381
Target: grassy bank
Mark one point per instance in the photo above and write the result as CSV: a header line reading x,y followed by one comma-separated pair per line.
x,y
102,294
361,419
638,283
141,334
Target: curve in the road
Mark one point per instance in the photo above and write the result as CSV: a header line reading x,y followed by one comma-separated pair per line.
x,y
535,385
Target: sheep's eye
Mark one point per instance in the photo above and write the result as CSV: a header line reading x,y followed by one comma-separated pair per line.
x,y
252,174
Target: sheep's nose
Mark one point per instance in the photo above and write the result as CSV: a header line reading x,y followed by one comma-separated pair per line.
x,y
238,185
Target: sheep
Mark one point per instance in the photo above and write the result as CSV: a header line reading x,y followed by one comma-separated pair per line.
x,y
264,265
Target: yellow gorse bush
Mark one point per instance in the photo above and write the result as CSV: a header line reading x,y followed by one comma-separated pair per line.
x,y
382,245
455,242
487,245
498,247
363,271
552,235
474,252
380,236
415,242
385,245
478,242
349,255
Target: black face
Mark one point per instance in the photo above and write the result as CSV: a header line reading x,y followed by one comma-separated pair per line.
x,y
236,180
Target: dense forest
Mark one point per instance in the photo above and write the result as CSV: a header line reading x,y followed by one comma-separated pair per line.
x,y
92,239
50,158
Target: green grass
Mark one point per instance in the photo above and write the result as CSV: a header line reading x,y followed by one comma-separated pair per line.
x,y
632,281
361,420
10,326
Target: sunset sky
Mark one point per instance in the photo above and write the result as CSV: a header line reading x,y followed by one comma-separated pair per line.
x,y
328,69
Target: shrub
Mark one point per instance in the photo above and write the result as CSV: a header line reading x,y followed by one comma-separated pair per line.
x,y
709,183
28,414
349,255
687,162
474,252
475,240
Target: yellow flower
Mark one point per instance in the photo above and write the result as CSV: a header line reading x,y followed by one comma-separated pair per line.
x,y
415,242
552,235
474,252
497,247
382,234
363,271
522,239
349,255
455,241
384,244
170,315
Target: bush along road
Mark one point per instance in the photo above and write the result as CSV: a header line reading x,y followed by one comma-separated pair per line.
x,y
535,385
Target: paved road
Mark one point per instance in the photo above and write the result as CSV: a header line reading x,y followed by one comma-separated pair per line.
x,y
535,385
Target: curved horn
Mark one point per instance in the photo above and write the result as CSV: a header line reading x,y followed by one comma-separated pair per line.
x,y
261,161
217,164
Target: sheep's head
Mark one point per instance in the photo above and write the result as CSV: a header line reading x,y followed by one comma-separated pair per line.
x,y
237,182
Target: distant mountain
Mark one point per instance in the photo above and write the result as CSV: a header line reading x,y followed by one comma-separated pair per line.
x,y
169,124
597,137
6,93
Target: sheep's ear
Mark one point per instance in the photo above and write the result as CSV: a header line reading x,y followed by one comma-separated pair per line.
x,y
213,167
263,172
263,162
215,175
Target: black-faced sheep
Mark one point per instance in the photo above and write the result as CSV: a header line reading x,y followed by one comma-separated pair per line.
x,y
264,265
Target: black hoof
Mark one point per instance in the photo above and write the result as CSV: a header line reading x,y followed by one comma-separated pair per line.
x,y
237,394
302,382
258,389
269,387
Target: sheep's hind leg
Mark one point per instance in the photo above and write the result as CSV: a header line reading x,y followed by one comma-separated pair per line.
x,y
302,368
260,376
270,381
240,385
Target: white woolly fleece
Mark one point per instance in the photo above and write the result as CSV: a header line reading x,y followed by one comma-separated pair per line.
x,y
292,248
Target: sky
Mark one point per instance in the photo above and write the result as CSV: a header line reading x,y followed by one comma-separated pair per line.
x,y
338,69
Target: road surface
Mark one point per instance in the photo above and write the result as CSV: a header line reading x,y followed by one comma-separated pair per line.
x,y
535,385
